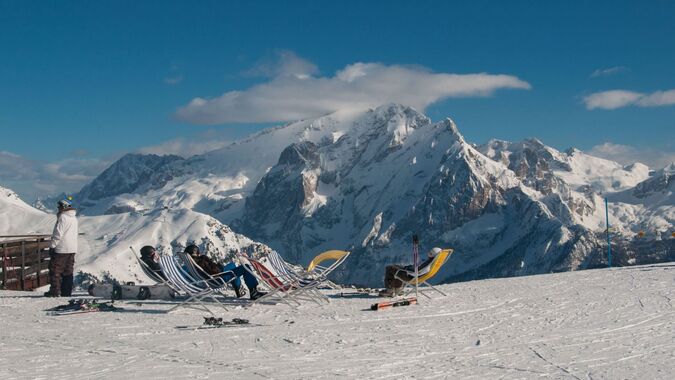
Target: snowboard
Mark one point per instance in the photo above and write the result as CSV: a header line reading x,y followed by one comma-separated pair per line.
x,y
81,306
396,303
132,292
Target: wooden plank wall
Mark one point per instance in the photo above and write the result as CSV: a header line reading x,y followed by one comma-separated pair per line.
x,y
25,262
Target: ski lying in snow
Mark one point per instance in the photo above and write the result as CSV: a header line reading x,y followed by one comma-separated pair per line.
x,y
358,292
80,306
396,303
215,323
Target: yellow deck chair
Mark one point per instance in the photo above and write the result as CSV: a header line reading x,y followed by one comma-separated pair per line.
x,y
328,255
320,271
423,279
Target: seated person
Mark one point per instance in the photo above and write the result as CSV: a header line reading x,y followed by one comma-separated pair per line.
x,y
394,286
151,258
231,269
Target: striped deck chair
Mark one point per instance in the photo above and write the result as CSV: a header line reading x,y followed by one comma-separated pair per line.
x,y
213,280
197,289
302,286
151,274
277,287
423,278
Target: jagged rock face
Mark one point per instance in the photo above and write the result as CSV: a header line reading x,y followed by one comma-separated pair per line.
x,y
660,182
530,160
282,193
131,173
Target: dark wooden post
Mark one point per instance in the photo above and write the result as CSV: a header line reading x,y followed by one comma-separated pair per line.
x,y
4,265
38,259
23,264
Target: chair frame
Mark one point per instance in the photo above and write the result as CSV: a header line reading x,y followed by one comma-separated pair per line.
x,y
301,285
285,284
213,280
151,273
189,285
315,267
423,279
275,287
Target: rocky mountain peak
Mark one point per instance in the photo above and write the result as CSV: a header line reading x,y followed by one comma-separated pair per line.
x,y
129,173
659,181
302,153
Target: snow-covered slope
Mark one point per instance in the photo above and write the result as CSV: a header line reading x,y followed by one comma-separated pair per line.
x,y
596,324
18,218
104,247
104,240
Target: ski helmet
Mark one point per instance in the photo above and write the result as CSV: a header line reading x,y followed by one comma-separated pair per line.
x,y
64,203
434,252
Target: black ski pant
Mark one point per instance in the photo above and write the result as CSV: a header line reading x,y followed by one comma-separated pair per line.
x,y
61,273
390,274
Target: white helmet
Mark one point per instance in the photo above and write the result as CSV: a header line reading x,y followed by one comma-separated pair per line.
x,y
434,252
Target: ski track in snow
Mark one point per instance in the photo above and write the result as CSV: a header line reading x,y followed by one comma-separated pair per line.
x,y
599,324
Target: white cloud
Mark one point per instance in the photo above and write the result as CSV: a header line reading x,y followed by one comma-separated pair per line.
x,y
284,63
173,80
186,147
294,93
31,178
658,98
174,76
614,99
610,100
625,154
609,71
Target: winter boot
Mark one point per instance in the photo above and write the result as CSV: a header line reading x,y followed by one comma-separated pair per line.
x,y
50,294
239,291
66,286
255,294
386,293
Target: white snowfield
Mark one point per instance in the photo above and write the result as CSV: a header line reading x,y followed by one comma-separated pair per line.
x,y
595,324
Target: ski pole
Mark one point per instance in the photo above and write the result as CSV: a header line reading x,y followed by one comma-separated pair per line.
x,y
416,242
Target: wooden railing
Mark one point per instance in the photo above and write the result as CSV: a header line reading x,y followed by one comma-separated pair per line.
x,y
25,261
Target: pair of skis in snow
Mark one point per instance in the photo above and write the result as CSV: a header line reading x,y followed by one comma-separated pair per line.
x,y
394,303
81,306
216,323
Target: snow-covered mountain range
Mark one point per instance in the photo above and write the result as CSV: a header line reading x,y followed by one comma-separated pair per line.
x,y
367,180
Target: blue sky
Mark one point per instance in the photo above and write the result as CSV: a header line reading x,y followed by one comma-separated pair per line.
x,y
83,82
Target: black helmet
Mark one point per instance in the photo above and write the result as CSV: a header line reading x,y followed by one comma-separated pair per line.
x,y
147,251
192,249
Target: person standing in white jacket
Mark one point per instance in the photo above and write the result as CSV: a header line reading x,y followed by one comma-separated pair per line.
x,y
62,251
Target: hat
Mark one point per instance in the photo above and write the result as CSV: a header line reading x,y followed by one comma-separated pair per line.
x,y
147,250
65,203
434,252
192,249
